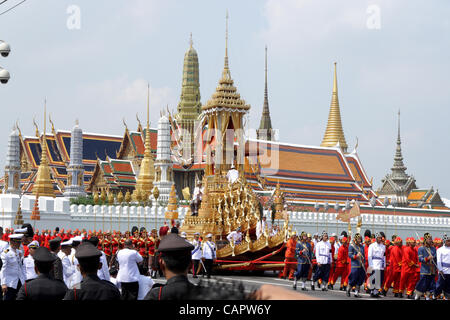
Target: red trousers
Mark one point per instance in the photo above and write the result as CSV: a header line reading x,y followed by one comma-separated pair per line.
x,y
340,272
393,277
332,271
408,282
289,267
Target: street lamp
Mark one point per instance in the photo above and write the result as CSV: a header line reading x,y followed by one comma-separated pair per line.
x,y
5,49
373,203
386,204
394,204
336,208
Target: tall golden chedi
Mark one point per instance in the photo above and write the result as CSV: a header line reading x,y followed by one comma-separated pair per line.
x,y
144,183
334,133
172,212
43,185
227,205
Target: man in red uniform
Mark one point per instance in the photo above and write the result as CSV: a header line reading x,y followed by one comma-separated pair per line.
x,y
387,269
409,265
107,246
341,265
395,265
367,243
163,230
290,257
333,262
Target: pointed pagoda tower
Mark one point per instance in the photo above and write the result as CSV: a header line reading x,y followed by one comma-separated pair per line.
x,y
265,131
43,185
398,183
189,107
144,183
75,170
334,133
224,111
12,167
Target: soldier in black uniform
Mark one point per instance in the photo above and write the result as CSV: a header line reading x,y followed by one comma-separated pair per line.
x,y
44,287
91,287
175,262
57,271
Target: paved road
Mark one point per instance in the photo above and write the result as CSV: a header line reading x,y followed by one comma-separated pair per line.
x,y
252,282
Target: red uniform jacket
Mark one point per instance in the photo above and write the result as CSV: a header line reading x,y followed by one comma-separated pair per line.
x,y
107,247
395,258
409,259
115,245
342,257
290,248
366,254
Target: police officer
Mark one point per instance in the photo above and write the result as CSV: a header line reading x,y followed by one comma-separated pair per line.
x,y
91,287
357,273
12,276
208,254
175,263
303,253
44,287
57,271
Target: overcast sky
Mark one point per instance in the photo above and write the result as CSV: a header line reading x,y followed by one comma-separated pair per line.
x,y
391,55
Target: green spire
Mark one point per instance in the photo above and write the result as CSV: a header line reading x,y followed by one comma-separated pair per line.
x,y
189,106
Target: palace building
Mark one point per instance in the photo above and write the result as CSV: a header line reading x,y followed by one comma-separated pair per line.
x,y
75,163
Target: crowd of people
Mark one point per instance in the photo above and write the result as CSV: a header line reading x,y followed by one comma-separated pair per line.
x,y
421,267
96,265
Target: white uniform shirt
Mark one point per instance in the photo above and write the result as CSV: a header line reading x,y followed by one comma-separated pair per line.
x,y
3,245
232,175
209,250
323,252
197,252
260,227
128,269
145,284
443,259
60,254
236,236
12,270
103,273
68,269
76,277
28,268
376,257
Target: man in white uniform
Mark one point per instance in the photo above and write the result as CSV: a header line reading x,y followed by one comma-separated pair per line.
x,y
128,276
232,175
236,236
28,262
323,258
103,272
443,264
63,254
377,262
261,227
76,276
196,254
12,276
208,254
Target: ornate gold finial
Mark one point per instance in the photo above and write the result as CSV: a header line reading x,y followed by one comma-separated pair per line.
x,y
172,212
43,185
334,133
50,119
126,127
127,196
110,198
96,198
37,129
103,196
77,122
190,41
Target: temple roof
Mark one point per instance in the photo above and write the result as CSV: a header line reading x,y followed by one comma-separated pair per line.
x,y
307,172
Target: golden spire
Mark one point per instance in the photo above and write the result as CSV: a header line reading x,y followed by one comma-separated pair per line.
x,y
190,41
226,70
334,133
144,183
43,185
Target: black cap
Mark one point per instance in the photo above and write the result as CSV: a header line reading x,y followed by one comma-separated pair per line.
x,y
42,254
87,250
30,231
94,240
55,240
173,242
